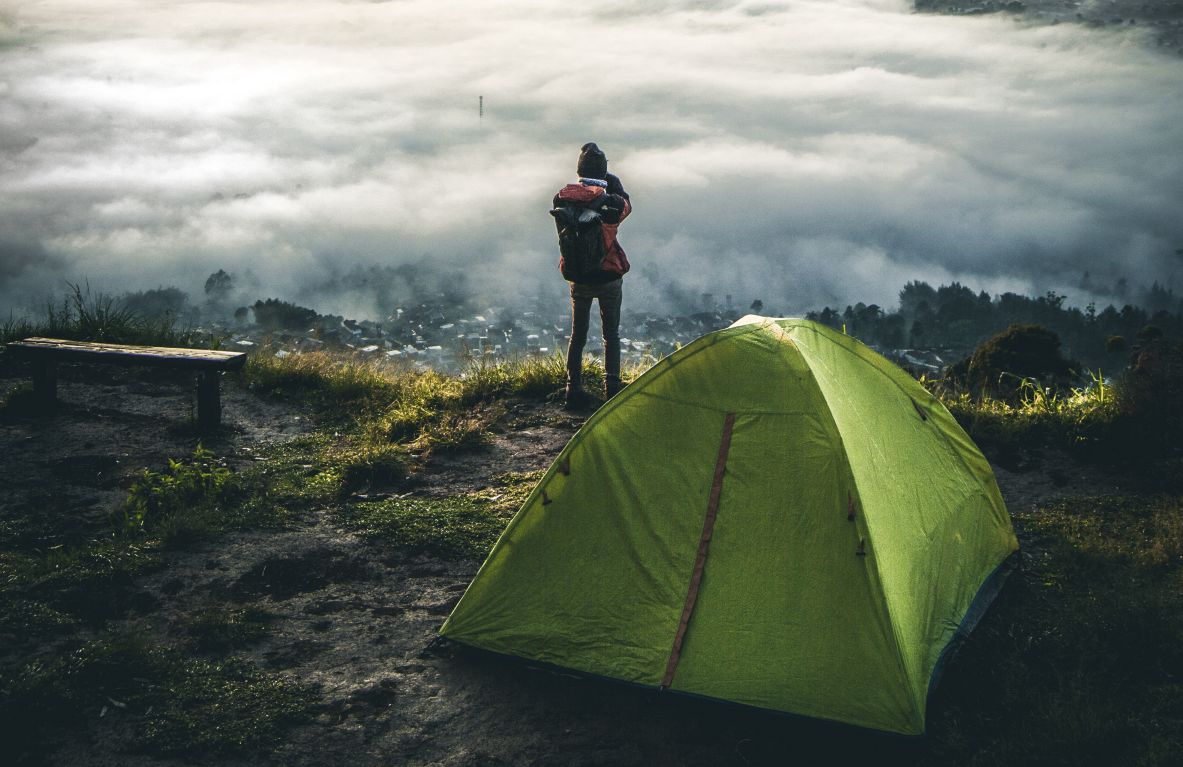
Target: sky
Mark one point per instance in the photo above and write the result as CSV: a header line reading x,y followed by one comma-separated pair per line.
x,y
803,153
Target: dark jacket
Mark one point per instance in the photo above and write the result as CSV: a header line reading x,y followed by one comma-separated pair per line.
x,y
579,195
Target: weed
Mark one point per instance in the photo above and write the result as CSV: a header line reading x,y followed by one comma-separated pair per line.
x,y
102,561
460,527
426,411
357,466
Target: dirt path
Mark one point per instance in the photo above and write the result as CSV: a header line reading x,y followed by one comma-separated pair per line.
x,y
355,620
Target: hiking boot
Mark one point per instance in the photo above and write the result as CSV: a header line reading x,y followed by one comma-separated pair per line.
x,y
611,388
577,399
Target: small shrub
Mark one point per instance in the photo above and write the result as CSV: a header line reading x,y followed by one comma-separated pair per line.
x,y
186,487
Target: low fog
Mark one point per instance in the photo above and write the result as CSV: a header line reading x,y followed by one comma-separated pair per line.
x,y
802,152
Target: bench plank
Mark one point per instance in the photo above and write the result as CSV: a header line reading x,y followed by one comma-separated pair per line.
x,y
77,351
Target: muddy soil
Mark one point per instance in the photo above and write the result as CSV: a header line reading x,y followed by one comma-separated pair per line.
x,y
356,620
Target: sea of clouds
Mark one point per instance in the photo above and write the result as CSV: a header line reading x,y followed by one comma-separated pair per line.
x,y
802,152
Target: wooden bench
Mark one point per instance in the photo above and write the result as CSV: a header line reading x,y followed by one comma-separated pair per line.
x,y
45,353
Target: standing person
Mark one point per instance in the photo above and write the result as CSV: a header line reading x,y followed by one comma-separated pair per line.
x,y
596,185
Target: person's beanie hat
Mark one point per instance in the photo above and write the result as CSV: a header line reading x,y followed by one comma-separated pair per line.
x,y
592,162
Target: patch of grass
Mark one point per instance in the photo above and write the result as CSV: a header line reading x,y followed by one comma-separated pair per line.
x,y
26,616
1097,535
368,463
1067,418
174,705
510,491
460,527
101,561
423,410
196,499
217,630
94,580
84,316
1080,661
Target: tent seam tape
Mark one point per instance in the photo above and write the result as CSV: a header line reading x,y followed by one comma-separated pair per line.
x,y
704,541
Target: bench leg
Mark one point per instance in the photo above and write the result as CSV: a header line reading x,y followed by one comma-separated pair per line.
x,y
45,381
209,403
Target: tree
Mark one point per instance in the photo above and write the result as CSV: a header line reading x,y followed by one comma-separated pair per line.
x,y
914,294
218,286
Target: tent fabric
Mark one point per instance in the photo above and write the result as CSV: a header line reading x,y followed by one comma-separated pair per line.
x,y
855,524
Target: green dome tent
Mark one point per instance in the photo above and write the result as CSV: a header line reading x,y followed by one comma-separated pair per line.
x,y
773,515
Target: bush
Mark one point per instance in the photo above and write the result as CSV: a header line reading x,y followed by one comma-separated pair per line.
x,y
1020,352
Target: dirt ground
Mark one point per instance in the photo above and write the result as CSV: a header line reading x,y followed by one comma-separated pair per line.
x,y
356,620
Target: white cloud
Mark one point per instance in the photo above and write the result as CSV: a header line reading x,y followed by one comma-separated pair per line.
x,y
801,152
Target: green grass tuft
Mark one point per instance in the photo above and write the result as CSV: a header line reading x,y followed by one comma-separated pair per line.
x,y
84,316
461,527
217,630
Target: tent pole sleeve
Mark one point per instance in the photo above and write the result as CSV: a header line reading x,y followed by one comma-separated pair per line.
x,y
704,543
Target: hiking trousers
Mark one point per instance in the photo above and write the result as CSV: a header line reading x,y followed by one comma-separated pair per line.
x,y
609,295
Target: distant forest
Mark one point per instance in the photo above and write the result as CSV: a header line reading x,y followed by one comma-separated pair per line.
x,y
953,317
950,317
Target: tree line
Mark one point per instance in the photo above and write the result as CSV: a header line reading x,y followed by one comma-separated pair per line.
x,y
953,317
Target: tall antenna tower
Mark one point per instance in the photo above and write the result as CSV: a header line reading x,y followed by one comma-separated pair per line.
x,y
481,113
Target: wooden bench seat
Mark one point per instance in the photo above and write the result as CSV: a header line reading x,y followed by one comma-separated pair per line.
x,y
45,353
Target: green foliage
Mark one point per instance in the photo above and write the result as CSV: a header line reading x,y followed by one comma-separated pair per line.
x,y
173,705
369,463
459,527
1077,661
421,410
